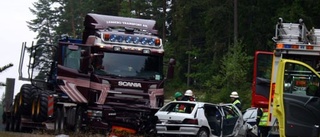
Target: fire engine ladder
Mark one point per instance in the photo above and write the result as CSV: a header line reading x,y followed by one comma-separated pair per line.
x,y
295,33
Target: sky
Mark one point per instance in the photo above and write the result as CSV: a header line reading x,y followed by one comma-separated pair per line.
x,y
14,31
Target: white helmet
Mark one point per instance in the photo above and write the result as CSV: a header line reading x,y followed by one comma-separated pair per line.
x,y
188,93
234,94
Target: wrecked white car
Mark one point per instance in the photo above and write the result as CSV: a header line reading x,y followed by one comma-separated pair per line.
x,y
199,119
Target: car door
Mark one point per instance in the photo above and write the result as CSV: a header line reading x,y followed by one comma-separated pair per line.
x,y
296,101
232,120
213,116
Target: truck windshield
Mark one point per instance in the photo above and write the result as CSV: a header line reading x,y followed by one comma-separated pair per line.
x,y
131,65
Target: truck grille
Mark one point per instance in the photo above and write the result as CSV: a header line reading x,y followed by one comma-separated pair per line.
x,y
128,97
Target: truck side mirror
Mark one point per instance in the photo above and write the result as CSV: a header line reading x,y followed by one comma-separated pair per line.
x,y
170,72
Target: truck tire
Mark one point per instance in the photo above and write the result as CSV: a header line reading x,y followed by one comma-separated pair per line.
x,y
41,114
17,123
11,127
7,128
16,104
25,99
34,100
70,120
59,120
8,122
78,120
16,119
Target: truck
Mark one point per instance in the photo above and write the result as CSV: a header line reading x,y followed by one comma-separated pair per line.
x,y
286,82
112,77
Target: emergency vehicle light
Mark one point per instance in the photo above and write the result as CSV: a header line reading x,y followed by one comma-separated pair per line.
x,y
309,47
106,36
294,46
130,39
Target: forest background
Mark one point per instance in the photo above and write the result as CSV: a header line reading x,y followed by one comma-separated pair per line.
x,y
213,41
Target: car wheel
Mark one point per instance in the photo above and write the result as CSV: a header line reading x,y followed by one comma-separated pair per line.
x,y
203,133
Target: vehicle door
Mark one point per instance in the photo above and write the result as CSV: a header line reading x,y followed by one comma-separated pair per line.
x,y
71,79
232,120
213,116
261,79
296,101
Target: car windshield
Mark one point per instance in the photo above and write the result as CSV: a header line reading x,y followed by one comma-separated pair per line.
x,y
179,107
130,65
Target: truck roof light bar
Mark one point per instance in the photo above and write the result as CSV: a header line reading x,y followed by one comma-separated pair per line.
x,y
132,40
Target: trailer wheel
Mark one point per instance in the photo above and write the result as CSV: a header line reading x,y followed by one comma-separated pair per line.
x,y
7,125
17,123
8,122
59,120
25,99
42,108
34,101
11,128
16,106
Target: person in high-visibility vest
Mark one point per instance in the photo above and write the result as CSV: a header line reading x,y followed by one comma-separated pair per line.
x,y
235,99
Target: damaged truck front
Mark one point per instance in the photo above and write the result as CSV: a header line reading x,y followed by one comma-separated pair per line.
x,y
127,58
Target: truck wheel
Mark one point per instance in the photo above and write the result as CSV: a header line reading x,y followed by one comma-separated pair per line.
x,y
25,99
42,108
8,123
59,121
16,105
78,120
11,128
70,119
34,101
17,123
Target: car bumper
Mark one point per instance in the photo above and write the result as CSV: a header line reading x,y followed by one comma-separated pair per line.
x,y
177,129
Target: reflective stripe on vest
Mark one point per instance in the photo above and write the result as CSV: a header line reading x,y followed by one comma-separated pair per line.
x,y
264,119
236,102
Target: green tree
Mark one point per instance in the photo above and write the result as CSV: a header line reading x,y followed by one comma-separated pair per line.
x,y
233,72
45,22
70,15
